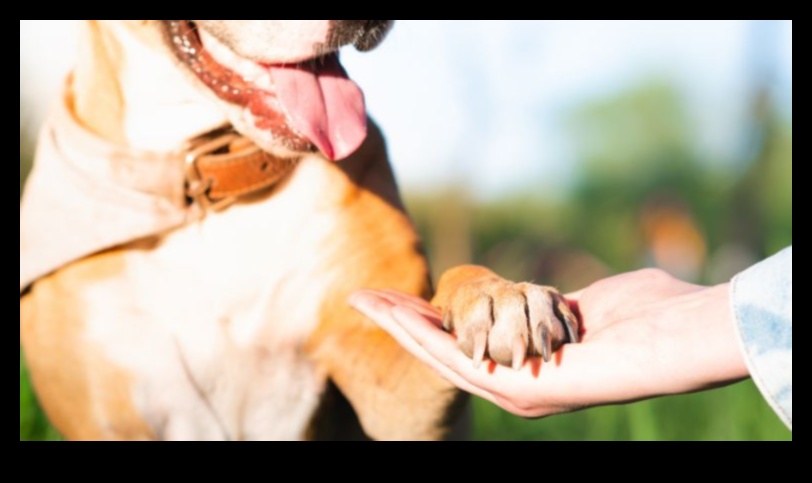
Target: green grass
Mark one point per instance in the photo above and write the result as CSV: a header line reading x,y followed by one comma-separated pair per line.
x,y
734,413
33,424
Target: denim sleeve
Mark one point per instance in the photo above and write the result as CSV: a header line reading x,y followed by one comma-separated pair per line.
x,y
762,304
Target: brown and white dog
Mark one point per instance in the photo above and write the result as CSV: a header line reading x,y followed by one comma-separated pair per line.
x,y
181,281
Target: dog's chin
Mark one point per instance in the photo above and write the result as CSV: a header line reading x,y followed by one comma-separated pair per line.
x,y
286,108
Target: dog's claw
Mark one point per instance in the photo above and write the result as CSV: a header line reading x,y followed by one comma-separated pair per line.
x,y
519,351
568,318
448,323
480,345
545,343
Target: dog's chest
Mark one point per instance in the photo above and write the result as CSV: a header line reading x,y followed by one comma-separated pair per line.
x,y
212,322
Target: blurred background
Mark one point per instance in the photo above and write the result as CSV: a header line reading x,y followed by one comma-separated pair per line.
x,y
563,152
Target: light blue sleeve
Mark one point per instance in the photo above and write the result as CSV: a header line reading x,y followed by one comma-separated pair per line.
x,y
762,304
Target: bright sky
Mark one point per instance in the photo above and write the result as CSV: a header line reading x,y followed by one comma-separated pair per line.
x,y
481,103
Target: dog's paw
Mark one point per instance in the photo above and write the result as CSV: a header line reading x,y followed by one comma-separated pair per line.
x,y
508,322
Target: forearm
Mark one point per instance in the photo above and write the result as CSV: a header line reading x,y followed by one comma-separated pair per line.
x,y
671,337
699,330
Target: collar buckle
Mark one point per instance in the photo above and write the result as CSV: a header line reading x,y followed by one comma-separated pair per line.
x,y
197,187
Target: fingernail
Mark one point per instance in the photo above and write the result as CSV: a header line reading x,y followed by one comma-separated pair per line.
x,y
358,300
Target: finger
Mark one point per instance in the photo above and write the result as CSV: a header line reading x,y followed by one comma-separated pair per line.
x,y
439,350
582,378
405,298
400,298
368,302
575,296
551,388
396,298
380,310
488,378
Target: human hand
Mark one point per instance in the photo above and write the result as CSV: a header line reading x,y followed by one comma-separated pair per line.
x,y
644,334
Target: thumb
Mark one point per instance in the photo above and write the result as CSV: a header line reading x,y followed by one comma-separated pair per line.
x,y
574,296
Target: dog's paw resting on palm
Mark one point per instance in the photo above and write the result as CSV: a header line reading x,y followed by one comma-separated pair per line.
x,y
501,320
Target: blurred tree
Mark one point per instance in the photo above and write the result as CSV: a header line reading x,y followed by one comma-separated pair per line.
x,y
637,154
775,191
762,203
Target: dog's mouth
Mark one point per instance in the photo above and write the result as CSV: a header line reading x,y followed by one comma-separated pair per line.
x,y
305,104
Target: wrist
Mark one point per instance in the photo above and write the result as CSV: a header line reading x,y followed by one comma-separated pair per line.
x,y
709,354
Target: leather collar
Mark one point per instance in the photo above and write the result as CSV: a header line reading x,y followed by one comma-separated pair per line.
x,y
222,166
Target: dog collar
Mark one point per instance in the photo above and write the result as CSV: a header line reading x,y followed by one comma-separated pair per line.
x,y
85,194
222,166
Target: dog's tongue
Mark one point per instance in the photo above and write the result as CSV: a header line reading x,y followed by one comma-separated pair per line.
x,y
323,104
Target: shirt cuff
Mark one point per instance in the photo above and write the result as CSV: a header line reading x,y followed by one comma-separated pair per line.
x,y
762,305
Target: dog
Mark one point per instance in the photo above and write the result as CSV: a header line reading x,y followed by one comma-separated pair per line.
x,y
188,244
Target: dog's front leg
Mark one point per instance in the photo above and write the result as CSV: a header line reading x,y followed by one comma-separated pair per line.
x,y
84,392
394,395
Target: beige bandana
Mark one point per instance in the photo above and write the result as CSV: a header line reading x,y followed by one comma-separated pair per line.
x,y
85,195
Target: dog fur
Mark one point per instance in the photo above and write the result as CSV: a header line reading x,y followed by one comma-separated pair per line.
x,y
236,326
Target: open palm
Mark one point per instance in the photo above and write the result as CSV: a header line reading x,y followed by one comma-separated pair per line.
x,y
644,334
